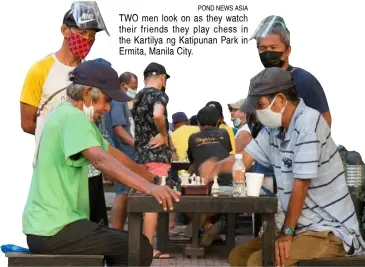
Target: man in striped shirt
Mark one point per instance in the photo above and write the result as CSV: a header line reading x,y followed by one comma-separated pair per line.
x,y
320,219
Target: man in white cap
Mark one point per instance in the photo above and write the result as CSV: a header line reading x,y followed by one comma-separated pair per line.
x,y
243,134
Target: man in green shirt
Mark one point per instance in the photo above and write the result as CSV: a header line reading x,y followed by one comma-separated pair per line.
x,y
56,216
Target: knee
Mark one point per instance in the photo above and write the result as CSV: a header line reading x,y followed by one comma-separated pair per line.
x,y
255,259
235,258
146,252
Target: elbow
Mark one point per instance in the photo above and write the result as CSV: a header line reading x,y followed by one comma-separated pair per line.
x,y
98,161
28,127
158,116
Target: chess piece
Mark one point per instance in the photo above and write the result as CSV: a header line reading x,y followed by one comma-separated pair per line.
x,y
198,180
163,181
203,181
215,187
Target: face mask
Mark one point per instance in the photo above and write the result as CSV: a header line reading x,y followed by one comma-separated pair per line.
x,y
237,122
79,45
271,59
89,111
270,118
131,93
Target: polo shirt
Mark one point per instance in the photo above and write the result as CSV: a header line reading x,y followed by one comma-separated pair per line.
x,y
307,151
180,138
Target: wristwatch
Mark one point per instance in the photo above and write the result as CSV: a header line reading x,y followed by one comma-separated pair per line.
x,y
156,179
288,231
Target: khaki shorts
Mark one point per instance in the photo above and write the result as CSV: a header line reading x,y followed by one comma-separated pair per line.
x,y
305,246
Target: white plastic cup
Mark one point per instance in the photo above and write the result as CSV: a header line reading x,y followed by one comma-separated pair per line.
x,y
253,183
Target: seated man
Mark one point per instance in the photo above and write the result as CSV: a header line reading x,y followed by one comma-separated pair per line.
x,y
209,142
320,219
56,216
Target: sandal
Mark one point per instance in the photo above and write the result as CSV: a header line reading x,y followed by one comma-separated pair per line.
x,y
158,255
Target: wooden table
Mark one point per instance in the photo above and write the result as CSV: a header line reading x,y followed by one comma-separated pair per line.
x,y
141,203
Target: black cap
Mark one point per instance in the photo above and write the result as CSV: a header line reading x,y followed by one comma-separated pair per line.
x,y
155,69
216,105
69,19
208,116
267,82
193,120
100,75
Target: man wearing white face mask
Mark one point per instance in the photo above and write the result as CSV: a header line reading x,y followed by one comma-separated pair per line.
x,y
319,212
120,126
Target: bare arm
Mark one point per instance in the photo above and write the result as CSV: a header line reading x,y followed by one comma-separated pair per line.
x,y
296,202
112,167
123,134
242,140
130,164
328,118
28,117
159,119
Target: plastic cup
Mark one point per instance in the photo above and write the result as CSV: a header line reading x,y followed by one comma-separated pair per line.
x,y
254,183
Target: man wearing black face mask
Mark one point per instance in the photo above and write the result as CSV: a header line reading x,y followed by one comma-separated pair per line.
x,y
273,43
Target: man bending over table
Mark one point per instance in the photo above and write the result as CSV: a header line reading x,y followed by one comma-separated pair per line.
x,y
320,217
56,216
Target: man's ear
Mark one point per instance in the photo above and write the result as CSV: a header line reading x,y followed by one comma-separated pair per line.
x,y
287,52
281,97
87,93
65,30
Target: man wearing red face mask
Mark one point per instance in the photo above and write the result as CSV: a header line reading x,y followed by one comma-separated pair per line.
x,y
45,83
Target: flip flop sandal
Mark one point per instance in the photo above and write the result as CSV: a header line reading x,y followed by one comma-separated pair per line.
x,y
157,256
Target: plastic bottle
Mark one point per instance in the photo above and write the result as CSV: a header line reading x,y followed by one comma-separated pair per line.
x,y
238,174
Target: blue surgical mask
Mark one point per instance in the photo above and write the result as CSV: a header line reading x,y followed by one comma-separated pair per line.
x,y
237,122
131,93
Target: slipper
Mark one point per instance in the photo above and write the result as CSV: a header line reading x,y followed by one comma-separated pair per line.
x,y
157,256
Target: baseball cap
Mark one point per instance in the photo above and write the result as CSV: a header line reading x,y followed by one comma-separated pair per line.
x,y
208,116
85,15
216,105
236,105
155,69
268,81
179,117
98,74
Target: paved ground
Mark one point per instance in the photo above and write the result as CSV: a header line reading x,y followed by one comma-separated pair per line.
x,y
180,260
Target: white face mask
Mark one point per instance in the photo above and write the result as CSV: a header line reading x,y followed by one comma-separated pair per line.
x,y
131,93
89,111
270,118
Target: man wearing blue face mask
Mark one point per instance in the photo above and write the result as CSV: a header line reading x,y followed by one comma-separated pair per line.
x,y
120,126
319,212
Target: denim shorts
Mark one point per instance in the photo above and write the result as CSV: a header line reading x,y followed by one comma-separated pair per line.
x,y
121,189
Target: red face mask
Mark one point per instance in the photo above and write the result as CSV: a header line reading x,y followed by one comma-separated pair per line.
x,y
79,45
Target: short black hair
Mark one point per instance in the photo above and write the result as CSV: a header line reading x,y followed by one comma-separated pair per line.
x,y
126,77
208,116
193,120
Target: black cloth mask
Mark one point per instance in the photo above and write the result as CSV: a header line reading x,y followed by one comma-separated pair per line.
x,y
272,59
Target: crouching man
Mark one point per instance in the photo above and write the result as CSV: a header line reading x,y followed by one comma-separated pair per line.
x,y
320,219
56,216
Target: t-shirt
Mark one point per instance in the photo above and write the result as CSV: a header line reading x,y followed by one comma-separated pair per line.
x,y
210,142
46,77
231,136
309,89
59,192
120,115
180,138
243,128
145,127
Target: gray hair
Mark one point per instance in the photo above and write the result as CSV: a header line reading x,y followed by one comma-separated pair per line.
x,y
75,91
282,32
